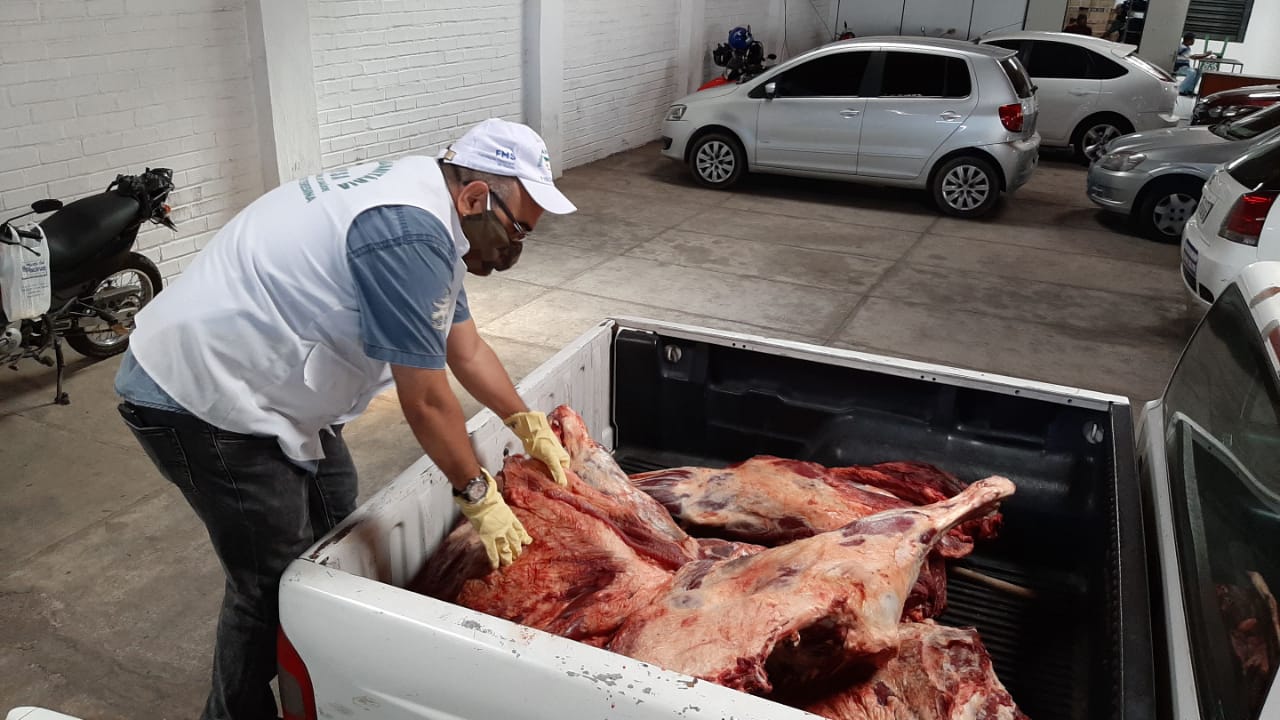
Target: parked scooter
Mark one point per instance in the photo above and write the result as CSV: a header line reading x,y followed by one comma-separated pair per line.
x,y
96,282
742,58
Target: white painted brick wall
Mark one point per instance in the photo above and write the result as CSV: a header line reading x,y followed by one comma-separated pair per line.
x,y
92,88
407,76
809,25
620,74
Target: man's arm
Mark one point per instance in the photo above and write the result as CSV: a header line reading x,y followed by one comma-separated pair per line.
x,y
482,374
479,370
435,416
402,262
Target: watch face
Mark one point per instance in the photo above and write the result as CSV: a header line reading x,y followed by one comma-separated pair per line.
x,y
475,490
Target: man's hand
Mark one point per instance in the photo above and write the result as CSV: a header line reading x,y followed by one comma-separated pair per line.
x,y
534,431
500,531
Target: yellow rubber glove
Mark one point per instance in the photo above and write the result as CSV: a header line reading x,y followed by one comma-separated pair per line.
x,y
539,442
503,536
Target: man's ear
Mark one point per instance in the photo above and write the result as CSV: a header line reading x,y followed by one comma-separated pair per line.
x,y
470,199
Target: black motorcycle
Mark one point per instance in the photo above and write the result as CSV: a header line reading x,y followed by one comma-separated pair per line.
x,y
97,282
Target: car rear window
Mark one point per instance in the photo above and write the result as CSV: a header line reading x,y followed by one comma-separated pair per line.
x,y
1149,67
1103,68
1058,60
1017,75
1259,166
910,74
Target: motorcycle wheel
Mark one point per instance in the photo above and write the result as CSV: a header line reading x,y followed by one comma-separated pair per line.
x,y
95,338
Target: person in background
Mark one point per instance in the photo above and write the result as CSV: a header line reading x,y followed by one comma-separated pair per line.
x,y
1080,26
1118,17
1182,65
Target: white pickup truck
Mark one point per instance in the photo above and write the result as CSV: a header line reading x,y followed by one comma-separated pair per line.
x,y
1125,540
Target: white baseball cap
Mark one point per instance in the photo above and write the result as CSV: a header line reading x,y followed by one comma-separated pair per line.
x,y
502,147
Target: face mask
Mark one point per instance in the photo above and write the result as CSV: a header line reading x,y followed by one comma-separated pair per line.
x,y
491,247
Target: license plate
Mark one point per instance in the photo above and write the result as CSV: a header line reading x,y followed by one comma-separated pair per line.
x,y
1206,206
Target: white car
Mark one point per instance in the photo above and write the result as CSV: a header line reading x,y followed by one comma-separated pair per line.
x,y
1091,90
1237,223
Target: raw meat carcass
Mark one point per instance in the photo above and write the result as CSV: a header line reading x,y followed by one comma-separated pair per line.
x,y
1253,621
593,561
717,549
791,616
596,467
939,673
770,500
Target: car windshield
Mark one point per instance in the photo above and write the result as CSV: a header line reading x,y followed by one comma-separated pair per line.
x,y
1249,126
1222,433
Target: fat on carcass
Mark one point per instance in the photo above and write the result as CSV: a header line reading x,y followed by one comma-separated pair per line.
x,y
797,615
771,500
596,466
938,673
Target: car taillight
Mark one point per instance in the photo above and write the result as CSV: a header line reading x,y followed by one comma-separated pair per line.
x,y
297,697
1011,117
1244,223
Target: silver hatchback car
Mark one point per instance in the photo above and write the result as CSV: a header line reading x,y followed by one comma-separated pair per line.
x,y
955,118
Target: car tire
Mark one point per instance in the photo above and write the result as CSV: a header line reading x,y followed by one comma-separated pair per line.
x,y
1094,132
1166,206
967,186
716,160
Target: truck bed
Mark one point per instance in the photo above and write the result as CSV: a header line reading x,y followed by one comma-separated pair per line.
x,y
1075,642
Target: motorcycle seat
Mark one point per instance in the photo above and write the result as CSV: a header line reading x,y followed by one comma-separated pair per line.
x,y
82,228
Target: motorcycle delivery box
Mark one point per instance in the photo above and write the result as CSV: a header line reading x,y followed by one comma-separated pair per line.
x,y
24,275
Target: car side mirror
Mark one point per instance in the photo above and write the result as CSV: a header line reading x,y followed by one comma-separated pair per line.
x,y
770,90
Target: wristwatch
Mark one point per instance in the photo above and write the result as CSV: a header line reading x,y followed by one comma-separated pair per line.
x,y
475,490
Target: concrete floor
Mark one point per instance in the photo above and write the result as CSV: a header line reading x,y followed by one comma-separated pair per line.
x,y
107,585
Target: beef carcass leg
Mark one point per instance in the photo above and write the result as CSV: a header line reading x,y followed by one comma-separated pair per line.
x,y
939,673
770,500
765,500
801,611
596,467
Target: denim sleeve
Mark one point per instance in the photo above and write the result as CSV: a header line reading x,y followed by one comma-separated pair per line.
x,y
402,260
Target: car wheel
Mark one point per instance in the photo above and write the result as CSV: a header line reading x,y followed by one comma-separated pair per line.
x,y
717,160
1095,132
1167,206
966,186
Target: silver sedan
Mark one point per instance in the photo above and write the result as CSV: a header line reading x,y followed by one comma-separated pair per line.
x,y
1156,177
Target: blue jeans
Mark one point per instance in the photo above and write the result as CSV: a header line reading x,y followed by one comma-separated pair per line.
x,y
1190,76
261,511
